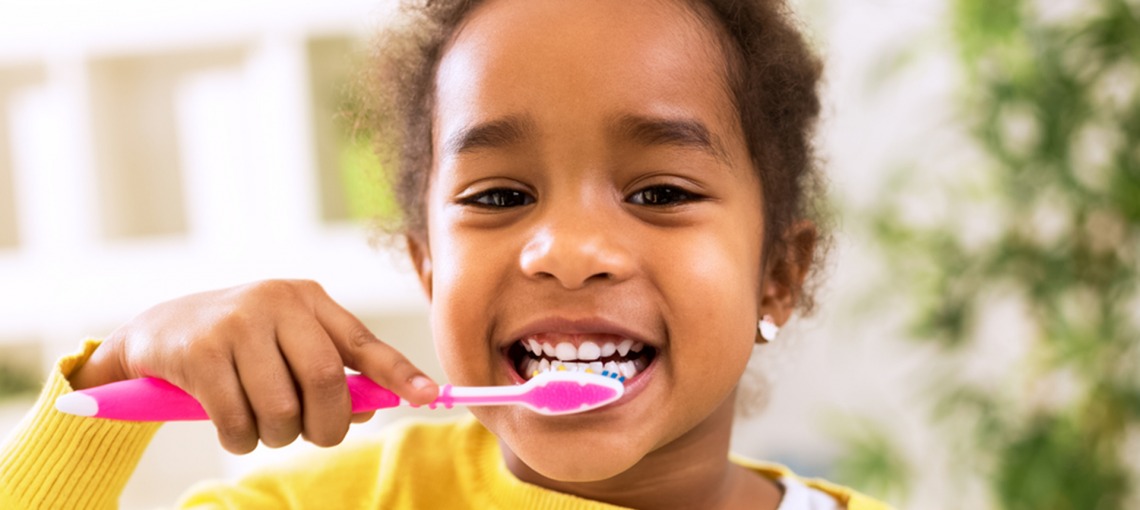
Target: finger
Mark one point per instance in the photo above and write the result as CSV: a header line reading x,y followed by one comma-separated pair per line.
x,y
318,370
362,351
270,390
363,417
221,395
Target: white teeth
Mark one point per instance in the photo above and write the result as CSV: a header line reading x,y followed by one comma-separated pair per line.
x,y
587,356
589,351
608,349
565,351
623,347
626,369
610,367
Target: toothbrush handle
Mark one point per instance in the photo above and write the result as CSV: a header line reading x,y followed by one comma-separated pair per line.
x,y
151,399
145,399
369,396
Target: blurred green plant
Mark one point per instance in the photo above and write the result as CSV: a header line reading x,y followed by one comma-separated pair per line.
x,y
15,382
364,182
1048,219
872,461
367,192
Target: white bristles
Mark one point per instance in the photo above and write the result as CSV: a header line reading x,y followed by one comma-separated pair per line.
x,y
77,404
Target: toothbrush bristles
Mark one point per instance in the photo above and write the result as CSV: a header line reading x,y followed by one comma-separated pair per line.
x,y
613,375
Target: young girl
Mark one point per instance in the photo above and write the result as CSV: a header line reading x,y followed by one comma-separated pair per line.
x,y
631,177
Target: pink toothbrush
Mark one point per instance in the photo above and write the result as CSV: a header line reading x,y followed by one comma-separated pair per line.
x,y
150,399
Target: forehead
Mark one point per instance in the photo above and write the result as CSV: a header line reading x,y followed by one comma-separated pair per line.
x,y
572,62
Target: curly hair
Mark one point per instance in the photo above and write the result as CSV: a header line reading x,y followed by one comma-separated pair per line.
x,y
773,76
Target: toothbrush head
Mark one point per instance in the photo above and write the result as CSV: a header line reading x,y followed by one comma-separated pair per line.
x,y
558,393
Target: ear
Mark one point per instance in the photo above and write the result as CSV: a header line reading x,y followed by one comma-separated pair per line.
x,y
786,271
421,258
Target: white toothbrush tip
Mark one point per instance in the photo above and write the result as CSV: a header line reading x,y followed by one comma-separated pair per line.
x,y
77,404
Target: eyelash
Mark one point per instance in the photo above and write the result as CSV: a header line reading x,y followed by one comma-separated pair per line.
x,y
652,196
498,198
672,196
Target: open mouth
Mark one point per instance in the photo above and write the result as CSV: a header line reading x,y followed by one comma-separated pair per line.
x,y
612,355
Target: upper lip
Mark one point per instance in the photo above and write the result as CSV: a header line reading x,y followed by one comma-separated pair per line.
x,y
579,326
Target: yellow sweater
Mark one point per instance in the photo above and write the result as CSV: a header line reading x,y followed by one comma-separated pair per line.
x,y
54,461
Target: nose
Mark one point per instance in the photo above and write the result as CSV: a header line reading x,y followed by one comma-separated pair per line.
x,y
575,251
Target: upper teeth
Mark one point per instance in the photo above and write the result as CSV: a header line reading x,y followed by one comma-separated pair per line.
x,y
587,351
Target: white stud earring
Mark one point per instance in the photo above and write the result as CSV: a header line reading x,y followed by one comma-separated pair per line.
x,y
768,328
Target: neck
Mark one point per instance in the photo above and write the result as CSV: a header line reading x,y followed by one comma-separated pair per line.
x,y
691,471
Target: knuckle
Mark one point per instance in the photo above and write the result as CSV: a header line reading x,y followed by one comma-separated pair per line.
x,y
271,290
236,428
400,365
327,378
310,287
206,354
278,439
360,337
235,321
326,438
282,411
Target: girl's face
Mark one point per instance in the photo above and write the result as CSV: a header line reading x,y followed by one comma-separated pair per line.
x,y
591,185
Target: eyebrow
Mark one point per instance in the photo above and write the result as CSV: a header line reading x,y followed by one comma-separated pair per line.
x,y
678,132
644,130
497,133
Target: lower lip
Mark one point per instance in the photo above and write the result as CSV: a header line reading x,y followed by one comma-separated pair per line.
x,y
632,386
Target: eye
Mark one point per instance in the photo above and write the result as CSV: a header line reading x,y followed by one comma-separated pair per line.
x,y
662,196
498,198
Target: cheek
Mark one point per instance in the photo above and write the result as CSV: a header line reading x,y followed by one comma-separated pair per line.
x,y
467,274
718,271
714,281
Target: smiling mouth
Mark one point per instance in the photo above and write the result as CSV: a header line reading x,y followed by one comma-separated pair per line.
x,y
596,354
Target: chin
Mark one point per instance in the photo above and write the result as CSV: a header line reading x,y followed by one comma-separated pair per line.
x,y
582,454
584,465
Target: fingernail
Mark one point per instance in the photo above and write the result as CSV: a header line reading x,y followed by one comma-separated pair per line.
x,y
420,382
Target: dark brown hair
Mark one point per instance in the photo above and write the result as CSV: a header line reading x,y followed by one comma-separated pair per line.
x,y
772,73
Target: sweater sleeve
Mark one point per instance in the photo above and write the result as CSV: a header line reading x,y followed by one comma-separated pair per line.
x,y
55,460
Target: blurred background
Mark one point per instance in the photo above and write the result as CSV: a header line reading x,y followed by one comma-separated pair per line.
x,y
977,342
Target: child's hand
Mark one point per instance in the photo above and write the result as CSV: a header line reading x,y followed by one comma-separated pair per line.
x,y
266,360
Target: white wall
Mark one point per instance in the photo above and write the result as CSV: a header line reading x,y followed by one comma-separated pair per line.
x,y
155,150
